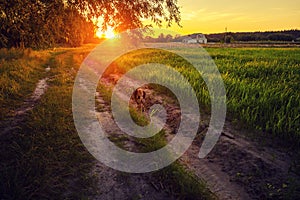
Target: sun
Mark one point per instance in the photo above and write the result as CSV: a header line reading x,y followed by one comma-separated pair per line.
x,y
109,33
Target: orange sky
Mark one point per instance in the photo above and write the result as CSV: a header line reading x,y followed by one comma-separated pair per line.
x,y
212,16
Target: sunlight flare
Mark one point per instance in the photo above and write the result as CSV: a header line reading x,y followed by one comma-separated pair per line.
x,y
109,33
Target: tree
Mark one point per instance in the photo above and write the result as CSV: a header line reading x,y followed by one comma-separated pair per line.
x,y
169,38
280,37
39,23
127,14
30,23
161,38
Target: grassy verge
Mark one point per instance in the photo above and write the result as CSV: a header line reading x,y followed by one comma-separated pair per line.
x,y
175,178
20,71
45,158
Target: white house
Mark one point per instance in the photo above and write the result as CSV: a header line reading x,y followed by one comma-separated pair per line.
x,y
195,39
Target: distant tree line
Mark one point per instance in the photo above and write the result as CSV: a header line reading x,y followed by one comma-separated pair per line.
x,y
163,38
276,36
47,23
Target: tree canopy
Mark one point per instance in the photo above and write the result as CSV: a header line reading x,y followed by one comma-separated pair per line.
x,y
46,23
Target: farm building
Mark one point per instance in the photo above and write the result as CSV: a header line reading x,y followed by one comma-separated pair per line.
x,y
195,39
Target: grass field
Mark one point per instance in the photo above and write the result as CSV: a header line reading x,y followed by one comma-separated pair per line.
x,y
262,84
262,87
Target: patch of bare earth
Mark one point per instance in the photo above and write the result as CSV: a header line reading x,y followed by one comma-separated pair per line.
x,y
117,185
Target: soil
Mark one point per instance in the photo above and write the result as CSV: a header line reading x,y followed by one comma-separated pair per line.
x,y
117,185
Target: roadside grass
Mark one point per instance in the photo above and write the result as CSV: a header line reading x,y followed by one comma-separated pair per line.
x,y
44,158
175,178
181,183
20,70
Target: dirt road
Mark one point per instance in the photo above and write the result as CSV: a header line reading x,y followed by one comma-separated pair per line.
x,y
238,167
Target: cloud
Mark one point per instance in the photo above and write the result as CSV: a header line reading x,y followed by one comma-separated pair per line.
x,y
191,15
214,16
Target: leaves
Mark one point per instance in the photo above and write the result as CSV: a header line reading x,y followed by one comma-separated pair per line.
x,y
45,23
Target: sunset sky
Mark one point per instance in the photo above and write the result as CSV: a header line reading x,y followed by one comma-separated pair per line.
x,y
212,16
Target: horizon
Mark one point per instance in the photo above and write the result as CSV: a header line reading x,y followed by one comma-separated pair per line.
x,y
214,17
166,31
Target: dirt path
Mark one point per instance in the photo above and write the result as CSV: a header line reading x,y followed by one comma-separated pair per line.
x,y
237,168
114,184
28,104
117,185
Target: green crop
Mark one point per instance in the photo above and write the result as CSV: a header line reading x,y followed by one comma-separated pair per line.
x,y
262,84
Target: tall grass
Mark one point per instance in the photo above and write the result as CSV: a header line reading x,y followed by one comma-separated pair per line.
x,y
263,87
262,84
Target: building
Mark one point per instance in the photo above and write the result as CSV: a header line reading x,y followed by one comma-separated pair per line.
x,y
195,39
